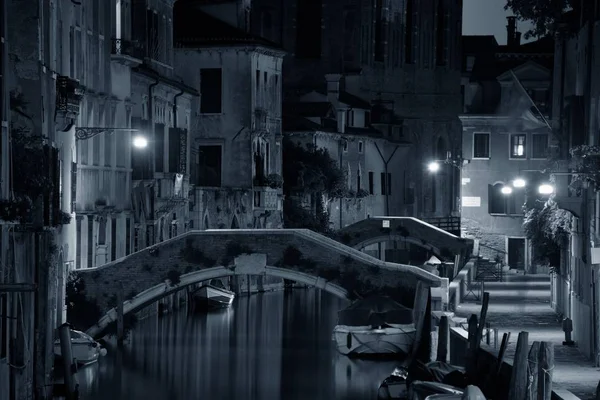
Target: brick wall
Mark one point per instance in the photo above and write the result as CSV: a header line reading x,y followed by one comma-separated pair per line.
x,y
200,250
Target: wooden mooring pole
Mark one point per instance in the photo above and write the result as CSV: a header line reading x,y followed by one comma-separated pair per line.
x,y
545,370
443,339
532,372
519,379
120,319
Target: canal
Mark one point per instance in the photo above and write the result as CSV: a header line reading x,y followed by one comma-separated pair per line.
x,y
268,346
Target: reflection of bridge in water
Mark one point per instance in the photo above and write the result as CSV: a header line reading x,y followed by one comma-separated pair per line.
x,y
269,346
297,255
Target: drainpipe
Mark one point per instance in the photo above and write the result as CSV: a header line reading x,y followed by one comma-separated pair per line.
x,y
385,165
175,108
151,107
341,152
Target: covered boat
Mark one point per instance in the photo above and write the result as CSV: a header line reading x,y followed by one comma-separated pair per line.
x,y
375,326
213,295
84,348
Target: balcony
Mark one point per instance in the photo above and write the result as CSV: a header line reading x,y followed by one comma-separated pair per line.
x,y
267,199
127,52
69,94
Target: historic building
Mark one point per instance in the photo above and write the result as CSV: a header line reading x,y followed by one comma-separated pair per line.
x,y
402,58
236,134
41,101
506,134
575,122
162,114
374,164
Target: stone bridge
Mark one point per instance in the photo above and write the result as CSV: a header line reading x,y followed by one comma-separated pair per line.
x,y
444,245
296,254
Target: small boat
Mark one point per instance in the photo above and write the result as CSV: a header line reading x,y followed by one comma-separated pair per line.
x,y
394,386
375,326
420,390
84,348
213,295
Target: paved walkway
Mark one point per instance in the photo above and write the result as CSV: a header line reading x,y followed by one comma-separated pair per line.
x,y
522,303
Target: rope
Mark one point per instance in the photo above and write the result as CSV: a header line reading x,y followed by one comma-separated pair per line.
x,y
531,379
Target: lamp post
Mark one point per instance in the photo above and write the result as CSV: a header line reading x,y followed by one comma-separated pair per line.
x,y
85,133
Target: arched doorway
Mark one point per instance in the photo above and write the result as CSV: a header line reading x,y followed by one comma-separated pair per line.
x,y
234,223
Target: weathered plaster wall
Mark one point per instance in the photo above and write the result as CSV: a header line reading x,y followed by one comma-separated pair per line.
x,y
232,208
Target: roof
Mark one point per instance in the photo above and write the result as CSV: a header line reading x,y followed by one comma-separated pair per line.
x,y
149,72
478,43
308,109
195,28
353,101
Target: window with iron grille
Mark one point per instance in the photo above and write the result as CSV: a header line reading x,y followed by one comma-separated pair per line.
x,y
539,145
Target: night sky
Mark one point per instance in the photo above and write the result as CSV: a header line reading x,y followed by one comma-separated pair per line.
x,y
487,17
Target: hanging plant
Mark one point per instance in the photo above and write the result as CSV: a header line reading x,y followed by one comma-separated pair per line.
x,y
17,210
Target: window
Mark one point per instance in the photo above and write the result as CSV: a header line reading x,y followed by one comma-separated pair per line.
x,y
266,25
257,79
358,183
211,91
159,147
345,147
499,203
360,147
209,166
539,145
442,34
113,239
265,78
371,183
386,183
102,231
517,146
481,145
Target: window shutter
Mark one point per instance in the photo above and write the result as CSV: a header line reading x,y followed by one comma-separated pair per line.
x,y
490,198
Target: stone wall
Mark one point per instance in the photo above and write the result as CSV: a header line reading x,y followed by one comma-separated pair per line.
x,y
291,249
233,208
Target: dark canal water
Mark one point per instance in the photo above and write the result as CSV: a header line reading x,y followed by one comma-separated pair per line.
x,y
268,346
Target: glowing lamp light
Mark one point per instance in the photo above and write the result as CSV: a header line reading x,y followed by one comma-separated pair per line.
x,y
519,183
433,167
140,142
546,189
506,190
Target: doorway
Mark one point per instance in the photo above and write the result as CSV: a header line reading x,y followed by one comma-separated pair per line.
x,y
516,253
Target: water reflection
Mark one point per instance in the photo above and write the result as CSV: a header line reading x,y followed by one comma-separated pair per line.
x,y
270,346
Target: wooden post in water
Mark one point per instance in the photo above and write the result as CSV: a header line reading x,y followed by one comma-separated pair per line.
x,y
120,320
545,369
519,380
443,339
532,371
472,350
419,314
482,317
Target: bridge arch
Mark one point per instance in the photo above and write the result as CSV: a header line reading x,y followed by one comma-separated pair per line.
x,y
162,290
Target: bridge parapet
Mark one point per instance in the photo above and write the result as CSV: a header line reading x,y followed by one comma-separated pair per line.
x,y
201,255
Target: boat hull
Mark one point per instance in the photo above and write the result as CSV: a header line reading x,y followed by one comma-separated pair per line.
x,y
364,341
213,297
84,350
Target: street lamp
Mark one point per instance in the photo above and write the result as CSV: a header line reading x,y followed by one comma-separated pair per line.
x,y
506,190
140,142
433,166
85,133
519,183
545,189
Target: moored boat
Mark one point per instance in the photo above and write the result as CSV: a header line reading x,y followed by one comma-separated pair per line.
x,y
213,295
375,326
84,348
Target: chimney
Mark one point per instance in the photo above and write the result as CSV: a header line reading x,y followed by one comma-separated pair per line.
x,y
511,32
333,87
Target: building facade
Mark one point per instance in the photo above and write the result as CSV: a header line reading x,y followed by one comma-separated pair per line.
x,y
506,136
236,134
576,95
38,242
403,58
162,113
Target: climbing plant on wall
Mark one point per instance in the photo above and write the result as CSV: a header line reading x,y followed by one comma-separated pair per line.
x,y
546,226
309,172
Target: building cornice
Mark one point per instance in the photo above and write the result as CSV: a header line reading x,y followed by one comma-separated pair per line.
x,y
254,48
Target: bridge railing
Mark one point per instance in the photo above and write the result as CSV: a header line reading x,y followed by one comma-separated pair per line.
x,y
449,224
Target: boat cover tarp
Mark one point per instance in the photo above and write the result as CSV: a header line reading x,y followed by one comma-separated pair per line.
x,y
375,311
